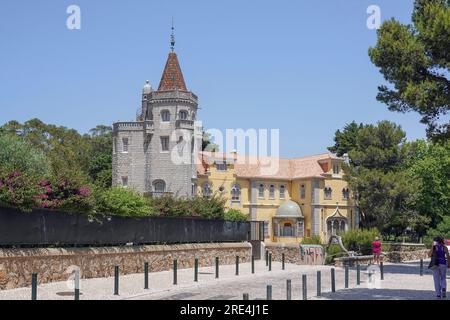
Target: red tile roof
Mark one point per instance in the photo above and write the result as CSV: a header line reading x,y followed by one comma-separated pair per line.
x,y
268,167
172,77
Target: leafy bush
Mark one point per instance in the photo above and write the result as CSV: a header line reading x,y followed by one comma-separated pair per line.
x,y
235,215
333,251
312,240
18,190
122,202
442,230
66,195
360,240
17,155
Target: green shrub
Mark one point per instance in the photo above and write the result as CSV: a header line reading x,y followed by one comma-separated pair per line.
x,y
235,215
360,240
442,230
19,190
312,240
122,202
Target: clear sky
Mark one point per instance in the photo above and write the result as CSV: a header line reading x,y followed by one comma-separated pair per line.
x,y
297,65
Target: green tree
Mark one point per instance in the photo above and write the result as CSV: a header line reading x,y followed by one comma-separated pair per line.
x,y
346,140
431,169
207,144
415,60
17,154
100,162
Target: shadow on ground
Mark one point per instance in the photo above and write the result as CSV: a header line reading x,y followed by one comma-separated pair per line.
x,y
381,294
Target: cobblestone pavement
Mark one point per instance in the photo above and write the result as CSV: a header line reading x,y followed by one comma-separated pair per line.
x,y
401,281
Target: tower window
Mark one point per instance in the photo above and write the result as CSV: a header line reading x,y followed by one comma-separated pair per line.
x,y
164,143
345,193
125,182
183,115
124,144
165,116
159,186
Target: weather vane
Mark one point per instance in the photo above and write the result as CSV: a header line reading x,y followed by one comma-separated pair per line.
x,y
172,38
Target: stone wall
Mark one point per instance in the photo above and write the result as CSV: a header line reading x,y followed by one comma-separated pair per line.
x,y
392,256
294,253
17,265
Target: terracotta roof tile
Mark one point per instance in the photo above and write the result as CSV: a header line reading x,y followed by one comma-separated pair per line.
x,y
172,77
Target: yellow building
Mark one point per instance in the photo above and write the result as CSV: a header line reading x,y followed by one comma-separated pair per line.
x,y
296,198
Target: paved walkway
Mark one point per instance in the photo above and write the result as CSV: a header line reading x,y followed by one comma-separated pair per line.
x,y
401,281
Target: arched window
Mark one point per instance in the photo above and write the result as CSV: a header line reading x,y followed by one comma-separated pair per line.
x,y
236,193
345,193
159,186
328,192
149,114
288,230
302,191
183,115
282,191
261,191
206,190
165,115
272,191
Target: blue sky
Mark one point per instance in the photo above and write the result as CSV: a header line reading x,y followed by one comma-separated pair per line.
x,y
300,66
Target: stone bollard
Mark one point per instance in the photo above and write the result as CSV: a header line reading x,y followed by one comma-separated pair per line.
x,y
146,275
116,280
34,282
288,290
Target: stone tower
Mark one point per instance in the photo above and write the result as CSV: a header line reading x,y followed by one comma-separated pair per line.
x,y
156,153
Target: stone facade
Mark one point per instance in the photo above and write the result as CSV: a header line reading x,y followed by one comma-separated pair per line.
x,y
54,264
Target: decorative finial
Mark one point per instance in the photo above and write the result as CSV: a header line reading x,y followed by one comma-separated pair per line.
x,y
172,38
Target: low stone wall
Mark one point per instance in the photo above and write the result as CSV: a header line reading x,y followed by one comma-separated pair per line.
x,y
294,253
17,265
394,256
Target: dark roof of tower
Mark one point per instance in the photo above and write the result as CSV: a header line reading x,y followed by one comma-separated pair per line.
x,y
172,77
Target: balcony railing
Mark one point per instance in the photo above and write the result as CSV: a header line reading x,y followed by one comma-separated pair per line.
x,y
184,124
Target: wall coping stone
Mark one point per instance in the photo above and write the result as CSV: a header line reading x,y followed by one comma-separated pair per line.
x,y
50,252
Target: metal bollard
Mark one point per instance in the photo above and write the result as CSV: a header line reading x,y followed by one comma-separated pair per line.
x,y
116,280
381,270
146,275
77,284
421,267
217,267
267,258
196,270
333,280
270,262
253,264
304,285
237,265
319,283
269,292
282,261
358,275
175,267
246,297
34,281
346,277
288,290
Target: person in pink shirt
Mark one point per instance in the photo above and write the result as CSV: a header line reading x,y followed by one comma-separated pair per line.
x,y
376,250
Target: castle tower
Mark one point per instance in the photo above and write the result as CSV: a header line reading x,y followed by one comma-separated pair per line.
x,y
155,154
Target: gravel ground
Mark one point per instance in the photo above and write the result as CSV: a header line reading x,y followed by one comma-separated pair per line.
x,y
401,281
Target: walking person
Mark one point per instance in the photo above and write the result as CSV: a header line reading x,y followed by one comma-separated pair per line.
x,y
440,261
376,250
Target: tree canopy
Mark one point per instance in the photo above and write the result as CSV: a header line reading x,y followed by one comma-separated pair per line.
x,y
415,60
